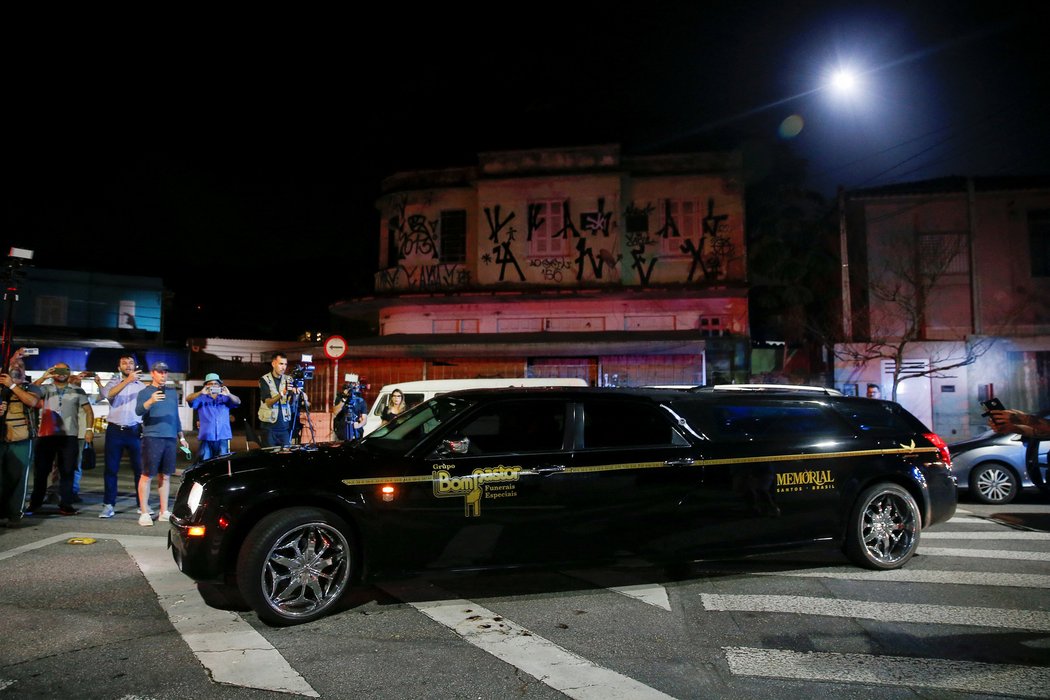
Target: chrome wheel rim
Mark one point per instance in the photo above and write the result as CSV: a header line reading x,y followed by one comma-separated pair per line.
x,y
994,484
306,570
888,527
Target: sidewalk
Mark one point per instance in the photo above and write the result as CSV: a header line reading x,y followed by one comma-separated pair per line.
x,y
92,489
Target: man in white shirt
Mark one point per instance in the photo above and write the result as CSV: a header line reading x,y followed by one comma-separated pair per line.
x,y
124,428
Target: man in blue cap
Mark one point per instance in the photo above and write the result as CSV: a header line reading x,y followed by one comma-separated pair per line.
x,y
213,403
161,437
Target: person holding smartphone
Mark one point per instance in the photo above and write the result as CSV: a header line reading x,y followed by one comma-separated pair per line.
x,y
161,435
61,407
1025,424
123,429
213,403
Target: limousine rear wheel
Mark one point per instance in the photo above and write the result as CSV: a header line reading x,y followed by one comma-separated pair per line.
x,y
295,565
883,530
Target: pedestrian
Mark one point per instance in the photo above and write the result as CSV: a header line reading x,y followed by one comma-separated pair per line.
x,y
276,394
350,411
123,430
16,439
161,436
395,406
64,409
213,403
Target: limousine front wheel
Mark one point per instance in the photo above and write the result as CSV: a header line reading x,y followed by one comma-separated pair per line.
x,y
295,565
883,530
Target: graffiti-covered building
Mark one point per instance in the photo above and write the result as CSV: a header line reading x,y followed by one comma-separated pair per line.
x,y
560,262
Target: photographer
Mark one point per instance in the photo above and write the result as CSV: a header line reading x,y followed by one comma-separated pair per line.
x,y
350,411
16,439
61,408
277,393
213,403
123,429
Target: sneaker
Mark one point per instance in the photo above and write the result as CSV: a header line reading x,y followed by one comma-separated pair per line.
x,y
107,511
67,510
145,520
165,516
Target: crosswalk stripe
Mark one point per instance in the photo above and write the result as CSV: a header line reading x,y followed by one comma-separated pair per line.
x,y
983,553
999,618
553,665
227,646
910,575
649,593
941,674
1007,535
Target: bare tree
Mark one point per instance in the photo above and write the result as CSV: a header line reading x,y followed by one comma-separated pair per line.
x,y
900,298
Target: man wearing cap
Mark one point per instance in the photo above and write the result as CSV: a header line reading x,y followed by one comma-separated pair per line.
x,y
59,435
213,403
161,433
123,429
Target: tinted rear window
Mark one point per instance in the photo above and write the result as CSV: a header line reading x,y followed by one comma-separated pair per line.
x,y
879,417
758,421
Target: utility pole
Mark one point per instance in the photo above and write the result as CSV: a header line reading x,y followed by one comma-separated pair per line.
x,y
11,274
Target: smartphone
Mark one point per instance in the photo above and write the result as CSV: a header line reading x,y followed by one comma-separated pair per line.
x,y
992,404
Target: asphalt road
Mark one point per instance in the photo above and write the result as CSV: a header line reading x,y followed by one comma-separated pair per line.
x,y
109,616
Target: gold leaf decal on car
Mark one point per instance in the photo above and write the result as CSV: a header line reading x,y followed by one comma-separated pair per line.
x,y
910,446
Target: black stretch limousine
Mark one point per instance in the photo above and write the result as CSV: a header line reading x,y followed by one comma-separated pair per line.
x,y
513,477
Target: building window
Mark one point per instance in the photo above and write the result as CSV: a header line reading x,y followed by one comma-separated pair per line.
x,y
1039,242
393,254
455,325
547,235
52,311
943,254
453,236
126,314
712,326
679,220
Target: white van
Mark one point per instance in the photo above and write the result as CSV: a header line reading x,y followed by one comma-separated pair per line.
x,y
416,392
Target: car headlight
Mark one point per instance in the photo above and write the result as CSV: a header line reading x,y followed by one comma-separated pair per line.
x,y
194,499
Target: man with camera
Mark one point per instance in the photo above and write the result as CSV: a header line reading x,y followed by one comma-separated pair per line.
x,y
350,411
16,439
161,434
61,407
123,429
213,403
277,397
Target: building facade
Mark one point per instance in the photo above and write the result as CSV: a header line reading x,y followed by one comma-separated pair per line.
x,y
562,262
955,273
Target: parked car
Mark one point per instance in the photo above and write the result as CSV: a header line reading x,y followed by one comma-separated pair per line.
x,y
560,476
991,467
419,391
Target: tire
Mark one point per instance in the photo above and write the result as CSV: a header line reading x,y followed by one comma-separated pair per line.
x,y
883,529
994,483
295,565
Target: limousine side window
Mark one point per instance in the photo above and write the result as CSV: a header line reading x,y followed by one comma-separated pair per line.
x,y
758,421
518,426
623,424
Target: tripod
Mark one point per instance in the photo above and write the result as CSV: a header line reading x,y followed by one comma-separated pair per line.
x,y
297,427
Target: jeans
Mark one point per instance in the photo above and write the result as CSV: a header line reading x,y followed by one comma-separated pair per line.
x,y
276,437
117,441
213,448
64,448
15,458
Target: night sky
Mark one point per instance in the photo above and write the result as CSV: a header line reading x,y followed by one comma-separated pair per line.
x,y
221,151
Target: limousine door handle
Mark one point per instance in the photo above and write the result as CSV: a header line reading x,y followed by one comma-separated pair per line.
x,y
548,469
684,462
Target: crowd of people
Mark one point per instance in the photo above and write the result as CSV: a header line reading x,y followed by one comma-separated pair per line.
x,y
46,424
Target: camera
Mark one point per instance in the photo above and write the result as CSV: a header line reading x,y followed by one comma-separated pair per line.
x,y
302,372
